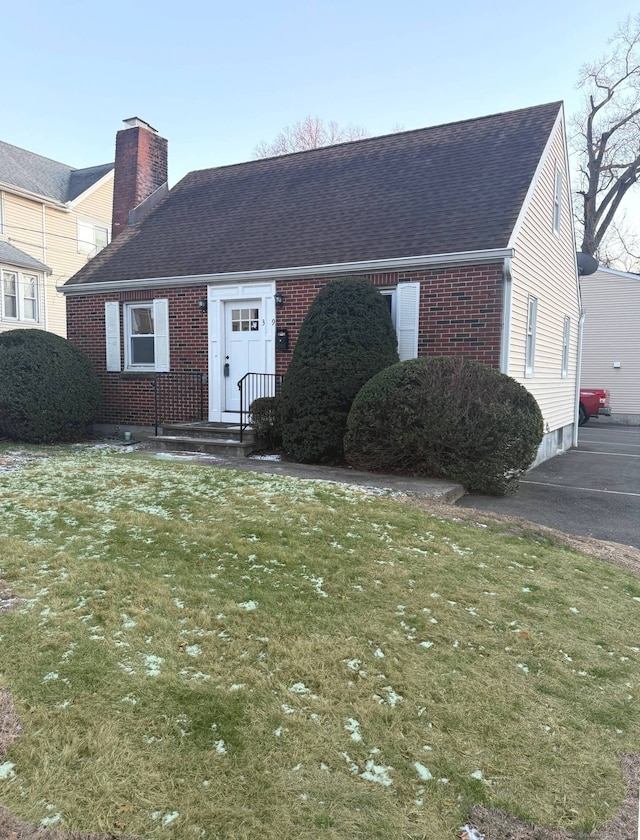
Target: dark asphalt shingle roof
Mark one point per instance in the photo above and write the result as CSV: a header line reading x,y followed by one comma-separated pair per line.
x,y
451,188
45,177
10,255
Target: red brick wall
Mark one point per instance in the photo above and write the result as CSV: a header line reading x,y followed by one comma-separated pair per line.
x,y
460,310
140,168
128,398
460,314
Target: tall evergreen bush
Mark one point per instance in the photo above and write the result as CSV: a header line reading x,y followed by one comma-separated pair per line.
x,y
446,417
48,390
346,338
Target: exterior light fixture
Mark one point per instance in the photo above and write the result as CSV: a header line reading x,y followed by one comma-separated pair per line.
x,y
202,304
279,299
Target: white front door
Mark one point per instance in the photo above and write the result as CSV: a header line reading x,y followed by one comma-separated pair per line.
x,y
242,321
244,324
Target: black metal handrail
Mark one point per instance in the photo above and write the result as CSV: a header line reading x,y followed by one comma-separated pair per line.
x,y
252,386
178,396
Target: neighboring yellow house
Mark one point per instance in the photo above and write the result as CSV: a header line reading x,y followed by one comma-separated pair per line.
x,y
53,219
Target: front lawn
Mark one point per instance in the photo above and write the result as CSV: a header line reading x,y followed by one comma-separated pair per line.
x,y
208,653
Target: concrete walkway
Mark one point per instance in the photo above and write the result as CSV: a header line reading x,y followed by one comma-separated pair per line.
x,y
434,488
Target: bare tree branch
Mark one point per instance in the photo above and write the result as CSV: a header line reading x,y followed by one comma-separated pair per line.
x,y
309,133
607,134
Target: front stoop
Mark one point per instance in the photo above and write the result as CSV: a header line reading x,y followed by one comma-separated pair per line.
x,y
211,438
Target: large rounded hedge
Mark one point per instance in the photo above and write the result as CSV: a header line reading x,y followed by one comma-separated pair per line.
x,y
346,337
48,390
445,417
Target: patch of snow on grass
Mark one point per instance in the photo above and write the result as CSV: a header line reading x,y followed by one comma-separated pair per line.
x,y
169,818
6,770
45,822
377,773
220,747
353,727
193,650
152,664
248,605
423,772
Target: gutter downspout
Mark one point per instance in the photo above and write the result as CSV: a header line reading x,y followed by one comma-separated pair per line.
x,y
576,412
505,338
45,278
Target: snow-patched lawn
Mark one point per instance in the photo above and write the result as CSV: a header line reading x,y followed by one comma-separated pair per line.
x,y
200,652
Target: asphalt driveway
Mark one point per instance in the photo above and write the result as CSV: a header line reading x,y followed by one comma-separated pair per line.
x,y
592,491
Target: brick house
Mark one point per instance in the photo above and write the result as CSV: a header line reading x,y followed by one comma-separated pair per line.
x,y
466,228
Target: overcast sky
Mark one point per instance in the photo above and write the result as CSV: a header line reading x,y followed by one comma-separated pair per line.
x,y
216,78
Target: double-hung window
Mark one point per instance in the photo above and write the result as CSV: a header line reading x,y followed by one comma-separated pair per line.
x,y
20,296
141,335
92,237
146,335
557,201
566,338
530,341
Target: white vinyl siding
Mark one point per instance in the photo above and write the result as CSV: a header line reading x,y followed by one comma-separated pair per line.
x,y
50,234
544,267
611,300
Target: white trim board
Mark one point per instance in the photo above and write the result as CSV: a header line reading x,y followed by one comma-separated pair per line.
x,y
494,255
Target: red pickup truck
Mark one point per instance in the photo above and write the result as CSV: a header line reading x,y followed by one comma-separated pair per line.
x,y
593,401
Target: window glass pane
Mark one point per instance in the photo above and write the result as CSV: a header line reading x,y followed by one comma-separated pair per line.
x,y
10,299
29,297
142,350
245,314
85,238
101,236
142,320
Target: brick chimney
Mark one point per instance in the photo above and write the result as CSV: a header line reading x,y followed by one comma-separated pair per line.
x,y
140,169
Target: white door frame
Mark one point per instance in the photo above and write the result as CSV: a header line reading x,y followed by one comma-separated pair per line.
x,y
217,296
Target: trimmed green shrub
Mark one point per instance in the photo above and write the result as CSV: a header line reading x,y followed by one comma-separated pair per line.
x,y
48,390
346,338
446,417
266,420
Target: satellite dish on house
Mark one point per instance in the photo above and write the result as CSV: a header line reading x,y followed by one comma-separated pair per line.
x,y
586,264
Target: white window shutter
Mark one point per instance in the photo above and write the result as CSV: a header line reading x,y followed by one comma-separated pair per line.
x,y
161,330
112,331
407,312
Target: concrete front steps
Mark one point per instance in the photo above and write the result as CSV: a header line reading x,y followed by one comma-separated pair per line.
x,y
211,438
